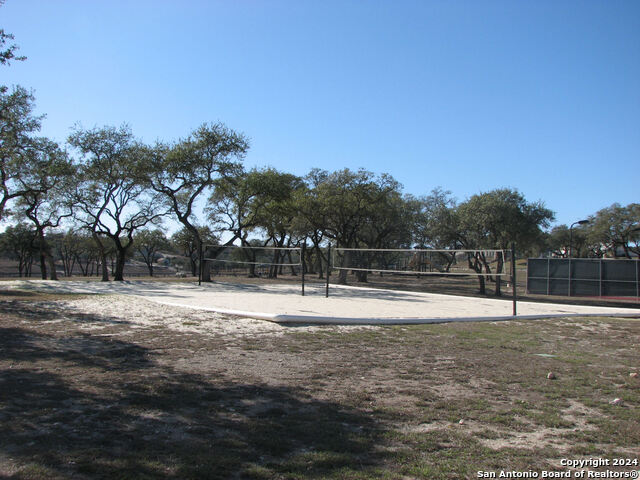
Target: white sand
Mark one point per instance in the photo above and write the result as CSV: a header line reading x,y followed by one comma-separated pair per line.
x,y
345,305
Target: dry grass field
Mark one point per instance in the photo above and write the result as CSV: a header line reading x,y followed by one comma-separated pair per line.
x,y
114,387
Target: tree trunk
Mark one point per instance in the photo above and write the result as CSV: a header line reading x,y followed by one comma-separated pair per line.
x,y
194,265
84,271
103,257
483,289
292,267
342,276
104,268
203,265
275,260
52,266
252,271
319,266
43,265
118,274
476,266
47,256
206,271
499,268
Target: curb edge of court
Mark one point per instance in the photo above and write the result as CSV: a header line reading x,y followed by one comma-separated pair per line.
x,y
324,320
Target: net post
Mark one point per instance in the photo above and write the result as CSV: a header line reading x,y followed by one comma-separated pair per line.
x,y
513,278
302,264
200,263
501,256
326,292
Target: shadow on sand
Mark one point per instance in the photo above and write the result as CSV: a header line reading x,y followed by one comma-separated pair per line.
x,y
78,404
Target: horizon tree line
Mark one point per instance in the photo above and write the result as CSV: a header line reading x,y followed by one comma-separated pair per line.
x,y
116,187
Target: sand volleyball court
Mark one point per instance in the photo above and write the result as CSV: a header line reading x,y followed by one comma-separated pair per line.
x,y
346,305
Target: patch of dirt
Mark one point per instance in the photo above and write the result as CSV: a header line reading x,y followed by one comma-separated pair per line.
x,y
577,414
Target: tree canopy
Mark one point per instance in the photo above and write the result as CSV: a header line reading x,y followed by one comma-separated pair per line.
x,y
110,197
182,172
497,218
18,125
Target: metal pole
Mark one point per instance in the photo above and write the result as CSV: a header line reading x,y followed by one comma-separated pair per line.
x,y
200,263
579,222
498,277
569,292
571,239
570,254
513,278
326,293
600,277
302,263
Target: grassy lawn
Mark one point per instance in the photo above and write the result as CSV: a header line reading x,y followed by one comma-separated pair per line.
x,y
430,401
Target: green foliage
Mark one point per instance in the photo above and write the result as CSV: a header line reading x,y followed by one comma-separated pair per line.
x,y
354,208
435,223
44,177
186,244
497,218
148,244
561,238
16,238
80,249
249,201
18,242
182,172
617,229
17,125
8,51
612,231
110,196
278,196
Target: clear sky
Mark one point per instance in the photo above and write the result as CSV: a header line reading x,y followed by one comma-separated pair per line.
x,y
542,96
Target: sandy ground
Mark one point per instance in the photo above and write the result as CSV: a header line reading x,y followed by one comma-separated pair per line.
x,y
345,305
119,385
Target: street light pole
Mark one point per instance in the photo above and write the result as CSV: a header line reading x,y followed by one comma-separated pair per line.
x,y
579,222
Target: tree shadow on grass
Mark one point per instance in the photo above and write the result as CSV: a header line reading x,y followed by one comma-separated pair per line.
x,y
46,311
103,408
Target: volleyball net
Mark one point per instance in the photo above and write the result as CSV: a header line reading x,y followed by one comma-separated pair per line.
x,y
423,261
451,270
267,261
443,270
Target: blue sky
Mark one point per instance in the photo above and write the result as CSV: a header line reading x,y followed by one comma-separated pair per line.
x,y
542,96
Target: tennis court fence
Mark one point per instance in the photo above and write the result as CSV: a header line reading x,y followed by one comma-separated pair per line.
x,y
598,277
